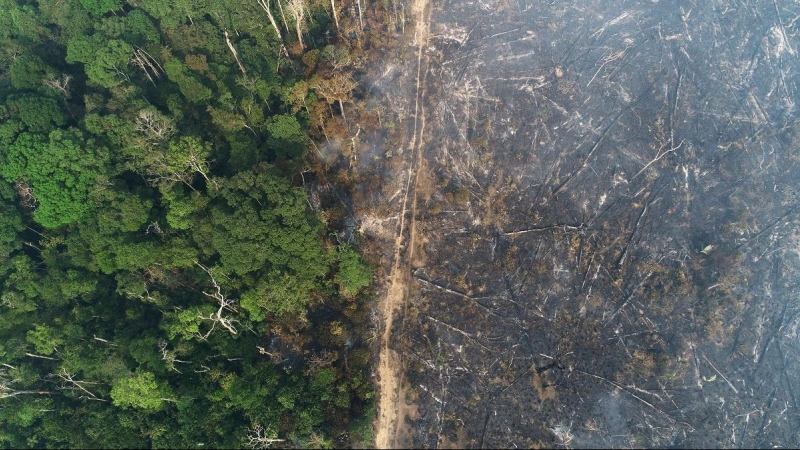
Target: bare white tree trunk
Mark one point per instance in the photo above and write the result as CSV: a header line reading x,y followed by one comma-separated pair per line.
x,y
147,64
265,5
154,126
7,389
341,106
360,20
105,341
283,16
169,356
335,15
298,10
335,89
235,53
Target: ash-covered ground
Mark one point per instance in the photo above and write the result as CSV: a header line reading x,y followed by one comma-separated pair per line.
x,y
608,225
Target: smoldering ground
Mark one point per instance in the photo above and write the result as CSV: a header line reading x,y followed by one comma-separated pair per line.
x,y
610,230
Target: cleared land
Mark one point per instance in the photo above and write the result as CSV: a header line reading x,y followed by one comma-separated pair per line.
x,y
608,242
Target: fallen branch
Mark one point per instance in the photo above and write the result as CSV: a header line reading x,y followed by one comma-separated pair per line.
x,y
720,374
105,341
627,299
65,376
457,330
629,393
564,227
40,356
658,157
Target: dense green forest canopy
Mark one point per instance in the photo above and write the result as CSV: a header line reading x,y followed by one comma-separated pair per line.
x,y
165,279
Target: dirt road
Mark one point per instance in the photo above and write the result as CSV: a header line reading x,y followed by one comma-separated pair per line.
x,y
390,367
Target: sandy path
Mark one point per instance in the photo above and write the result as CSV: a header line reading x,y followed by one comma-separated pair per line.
x,y
390,367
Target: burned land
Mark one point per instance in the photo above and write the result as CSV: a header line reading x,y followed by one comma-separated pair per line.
x,y
603,248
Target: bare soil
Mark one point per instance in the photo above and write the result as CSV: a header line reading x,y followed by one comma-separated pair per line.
x,y
391,413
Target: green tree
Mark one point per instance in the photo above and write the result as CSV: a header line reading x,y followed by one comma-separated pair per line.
x,y
260,218
20,21
45,339
114,185
226,120
188,83
353,275
134,27
278,293
184,324
69,16
28,71
141,26
141,391
162,11
100,7
123,213
10,126
10,224
105,60
286,138
39,114
20,286
62,170
182,206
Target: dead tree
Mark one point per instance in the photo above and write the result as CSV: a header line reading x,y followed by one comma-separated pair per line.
x,y
154,126
659,155
34,355
320,361
121,74
200,165
360,19
225,304
105,341
70,383
154,227
283,16
147,64
276,357
335,89
259,438
59,84
7,389
169,356
168,166
25,192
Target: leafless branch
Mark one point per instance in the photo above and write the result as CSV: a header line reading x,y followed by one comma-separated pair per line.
x,y
40,356
235,53
59,84
25,192
265,5
224,304
76,384
105,341
259,438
